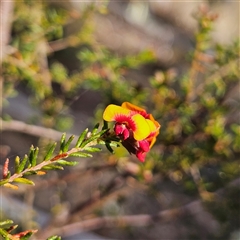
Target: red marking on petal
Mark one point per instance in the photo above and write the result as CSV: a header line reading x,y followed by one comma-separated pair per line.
x,y
119,128
127,120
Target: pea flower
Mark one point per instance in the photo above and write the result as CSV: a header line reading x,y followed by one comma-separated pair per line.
x,y
136,128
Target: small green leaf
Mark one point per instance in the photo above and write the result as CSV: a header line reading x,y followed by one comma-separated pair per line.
x,y
114,144
62,142
8,174
92,149
95,129
33,156
100,133
24,180
94,137
17,161
109,148
102,142
22,164
84,143
6,222
81,138
5,234
67,144
80,154
67,163
27,236
105,125
28,173
4,181
52,167
30,154
50,152
54,238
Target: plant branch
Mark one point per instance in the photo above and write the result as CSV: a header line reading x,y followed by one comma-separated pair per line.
x,y
192,208
41,165
222,72
38,131
120,221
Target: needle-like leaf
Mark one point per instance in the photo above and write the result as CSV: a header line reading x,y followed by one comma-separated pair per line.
x,y
50,152
67,144
80,154
81,138
67,163
22,164
24,180
62,142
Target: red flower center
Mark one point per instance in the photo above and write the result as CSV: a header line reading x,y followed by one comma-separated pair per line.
x,y
126,120
121,129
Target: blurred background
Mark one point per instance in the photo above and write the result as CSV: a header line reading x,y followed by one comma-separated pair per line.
x,y
63,62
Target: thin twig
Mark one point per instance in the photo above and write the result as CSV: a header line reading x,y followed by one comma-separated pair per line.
x,y
38,131
39,166
121,221
62,43
101,222
222,72
191,208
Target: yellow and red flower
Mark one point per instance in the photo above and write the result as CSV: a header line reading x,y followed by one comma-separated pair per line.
x,y
136,128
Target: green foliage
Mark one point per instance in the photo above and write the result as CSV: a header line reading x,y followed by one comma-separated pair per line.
x,y
191,107
54,238
197,131
35,29
38,31
194,131
30,164
6,228
103,70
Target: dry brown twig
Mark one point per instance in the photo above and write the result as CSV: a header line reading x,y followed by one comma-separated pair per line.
x,y
121,221
192,208
38,131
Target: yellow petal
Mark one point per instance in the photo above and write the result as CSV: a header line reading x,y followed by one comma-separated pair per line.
x,y
151,125
154,128
112,111
154,121
142,127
